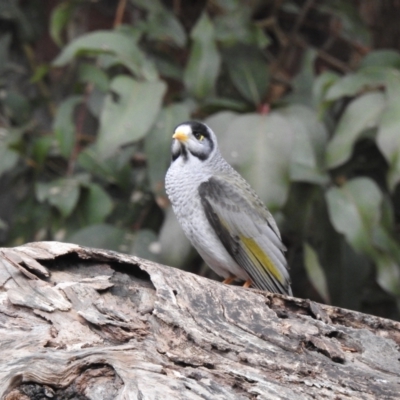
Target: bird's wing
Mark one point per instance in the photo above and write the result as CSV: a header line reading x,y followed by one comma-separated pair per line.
x,y
247,231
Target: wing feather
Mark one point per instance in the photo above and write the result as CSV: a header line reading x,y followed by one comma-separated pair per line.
x,y
247,230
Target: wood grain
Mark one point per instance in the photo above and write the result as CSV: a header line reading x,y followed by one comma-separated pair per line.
x,y
84,323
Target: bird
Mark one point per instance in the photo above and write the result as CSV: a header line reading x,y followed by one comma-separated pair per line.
x,y
222,215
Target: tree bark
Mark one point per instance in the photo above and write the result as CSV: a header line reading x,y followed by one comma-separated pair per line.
x,y
80,323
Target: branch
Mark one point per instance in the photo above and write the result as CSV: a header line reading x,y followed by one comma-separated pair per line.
x,y
88,323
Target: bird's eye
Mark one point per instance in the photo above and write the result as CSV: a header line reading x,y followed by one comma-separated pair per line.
x,y
198,136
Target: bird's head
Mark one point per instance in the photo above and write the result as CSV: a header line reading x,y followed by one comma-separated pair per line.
x,y
193,139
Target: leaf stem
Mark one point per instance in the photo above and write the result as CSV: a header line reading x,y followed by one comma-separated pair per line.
x,y
119,14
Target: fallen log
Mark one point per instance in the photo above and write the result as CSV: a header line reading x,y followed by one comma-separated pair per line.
x,y
82,323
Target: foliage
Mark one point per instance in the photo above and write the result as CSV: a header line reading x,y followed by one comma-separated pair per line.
x,y
85,138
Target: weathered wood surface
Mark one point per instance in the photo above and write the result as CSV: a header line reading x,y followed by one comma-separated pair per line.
x,y
79,323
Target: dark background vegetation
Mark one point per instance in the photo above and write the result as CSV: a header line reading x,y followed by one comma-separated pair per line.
x,y
303,95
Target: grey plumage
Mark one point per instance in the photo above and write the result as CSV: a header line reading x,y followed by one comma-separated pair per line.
x,y
220,213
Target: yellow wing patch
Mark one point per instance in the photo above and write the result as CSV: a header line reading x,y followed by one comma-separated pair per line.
x,y
258,255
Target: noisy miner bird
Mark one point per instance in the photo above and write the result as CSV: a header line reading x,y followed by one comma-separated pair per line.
x,y
221,214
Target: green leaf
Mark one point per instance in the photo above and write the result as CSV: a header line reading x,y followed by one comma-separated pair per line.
x,y
64,125
119,44
62,193
388,273
248,71
157,144
95,101
39,73
388,215
59,18
129,112
260,38
258,145
271,150
385,242
320,87
133,32
303,82
361,114
89,73
89,161
315,272
16,106
214,104
346,271
352,84
107,60
308,145
164,26
355,210
219,122
167,68
101,236
381,58
234,26
388,137
115,170
41,148
202,69
387,258
97,204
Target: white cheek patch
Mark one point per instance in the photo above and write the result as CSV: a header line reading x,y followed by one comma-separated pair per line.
x,y
175,146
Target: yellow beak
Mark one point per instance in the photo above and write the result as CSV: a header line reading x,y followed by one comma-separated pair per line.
x,y
181,136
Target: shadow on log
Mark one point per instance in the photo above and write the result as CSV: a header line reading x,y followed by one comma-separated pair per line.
x,y
81,323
